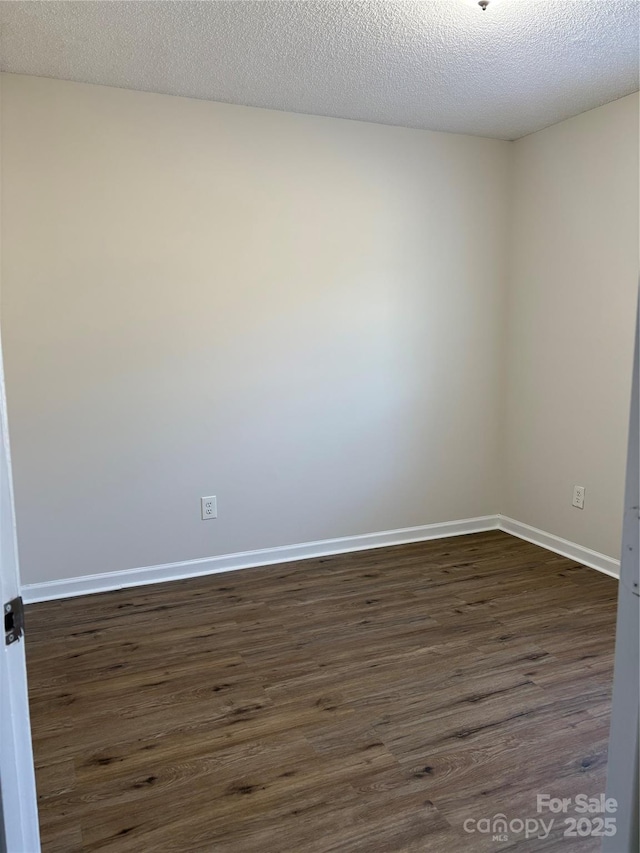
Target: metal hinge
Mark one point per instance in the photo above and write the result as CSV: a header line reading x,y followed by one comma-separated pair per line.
x,y
13,620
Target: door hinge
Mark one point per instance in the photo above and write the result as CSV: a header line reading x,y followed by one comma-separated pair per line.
x,y
13,620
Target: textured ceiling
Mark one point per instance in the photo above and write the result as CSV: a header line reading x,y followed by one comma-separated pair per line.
x,y
437,64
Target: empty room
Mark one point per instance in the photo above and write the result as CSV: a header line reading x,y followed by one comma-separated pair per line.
x,y
319,471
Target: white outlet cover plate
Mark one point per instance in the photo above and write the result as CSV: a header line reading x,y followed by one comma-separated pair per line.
x,y
208,507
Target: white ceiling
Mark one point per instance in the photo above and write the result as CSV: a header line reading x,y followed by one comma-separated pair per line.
x,y
438,64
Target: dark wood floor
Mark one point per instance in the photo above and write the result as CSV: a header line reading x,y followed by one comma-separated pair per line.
x,y
365,702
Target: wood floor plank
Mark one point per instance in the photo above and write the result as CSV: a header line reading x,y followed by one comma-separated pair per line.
x,y
366,702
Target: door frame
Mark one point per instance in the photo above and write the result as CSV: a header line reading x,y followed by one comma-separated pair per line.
x,y
19,830
622,767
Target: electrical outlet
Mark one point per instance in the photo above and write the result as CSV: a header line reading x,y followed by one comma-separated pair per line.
x,y
578,497
208,507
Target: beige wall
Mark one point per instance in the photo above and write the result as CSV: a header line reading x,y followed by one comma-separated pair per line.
x,y
572,296
303,316
306,317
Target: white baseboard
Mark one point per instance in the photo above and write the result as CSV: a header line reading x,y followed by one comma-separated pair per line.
x,y
70,587
586,556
